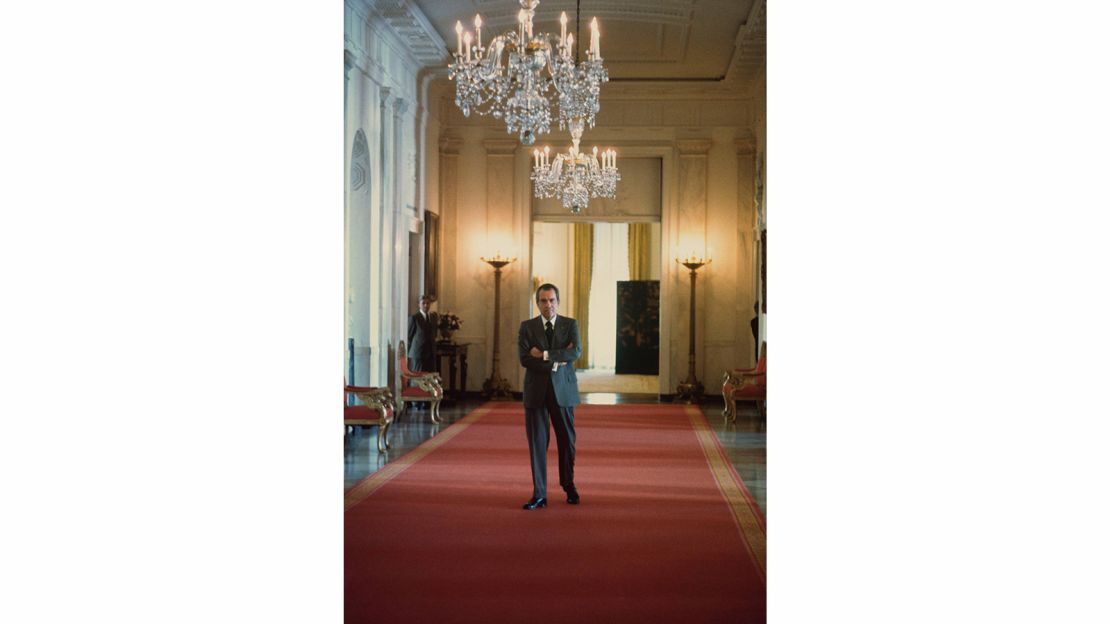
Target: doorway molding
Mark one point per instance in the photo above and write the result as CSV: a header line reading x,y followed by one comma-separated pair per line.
x,y
668,227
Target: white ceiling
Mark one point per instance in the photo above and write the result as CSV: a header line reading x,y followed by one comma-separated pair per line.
x,y
641,41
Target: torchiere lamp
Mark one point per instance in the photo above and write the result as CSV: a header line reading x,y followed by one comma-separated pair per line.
x,y
691,390
497,387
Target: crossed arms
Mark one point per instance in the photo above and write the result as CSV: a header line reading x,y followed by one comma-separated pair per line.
x,y
531,356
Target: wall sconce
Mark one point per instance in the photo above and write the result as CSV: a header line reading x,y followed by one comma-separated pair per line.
x,y
497,387
691,390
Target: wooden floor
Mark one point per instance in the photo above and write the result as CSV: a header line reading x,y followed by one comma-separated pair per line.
x,y
745,441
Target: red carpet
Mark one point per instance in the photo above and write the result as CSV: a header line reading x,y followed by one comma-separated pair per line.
x,y
666,531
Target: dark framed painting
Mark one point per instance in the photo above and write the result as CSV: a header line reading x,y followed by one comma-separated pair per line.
x,y
638,327
431,254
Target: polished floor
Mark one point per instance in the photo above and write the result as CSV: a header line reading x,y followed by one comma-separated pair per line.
x,y
606,380
745,441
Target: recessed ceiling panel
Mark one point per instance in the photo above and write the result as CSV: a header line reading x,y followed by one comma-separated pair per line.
x,y
640,40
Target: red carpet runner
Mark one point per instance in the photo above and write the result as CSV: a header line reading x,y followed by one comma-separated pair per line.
x,y
666,531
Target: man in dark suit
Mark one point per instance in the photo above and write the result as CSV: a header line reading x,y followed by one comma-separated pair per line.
x,y
422,337
548,346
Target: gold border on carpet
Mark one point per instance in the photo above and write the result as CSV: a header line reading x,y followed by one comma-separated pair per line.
x,y
371,484
750,530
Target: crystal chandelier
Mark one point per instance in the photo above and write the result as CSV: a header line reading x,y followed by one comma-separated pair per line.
x,y
507,78
575,177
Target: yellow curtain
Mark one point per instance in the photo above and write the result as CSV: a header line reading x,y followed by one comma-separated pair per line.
x,y
583,268
639,251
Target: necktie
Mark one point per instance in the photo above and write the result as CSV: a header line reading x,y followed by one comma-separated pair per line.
x,y
549,331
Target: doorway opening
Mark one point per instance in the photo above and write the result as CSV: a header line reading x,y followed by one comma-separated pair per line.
x,y
608,275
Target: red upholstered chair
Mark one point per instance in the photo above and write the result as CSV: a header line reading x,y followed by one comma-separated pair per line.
x,y
746,384
418,387
378,410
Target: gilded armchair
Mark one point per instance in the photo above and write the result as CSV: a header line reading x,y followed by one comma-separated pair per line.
x,y
377,409
746,384
424,387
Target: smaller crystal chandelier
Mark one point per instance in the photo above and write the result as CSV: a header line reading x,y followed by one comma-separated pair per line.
x,y
507,78
575,177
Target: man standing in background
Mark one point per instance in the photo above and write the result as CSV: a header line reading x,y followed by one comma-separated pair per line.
x,y
422,337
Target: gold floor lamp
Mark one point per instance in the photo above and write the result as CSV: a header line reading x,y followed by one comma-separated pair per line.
x,y
691,390
497,387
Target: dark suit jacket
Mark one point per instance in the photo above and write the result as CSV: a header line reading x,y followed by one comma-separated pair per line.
x,y
422,340
538,372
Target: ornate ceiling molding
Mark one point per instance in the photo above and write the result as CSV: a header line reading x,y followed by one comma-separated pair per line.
x,y
750,55
410,26
739,73
748,60
693,147
745,145
663,90
496,14
450,145
500,147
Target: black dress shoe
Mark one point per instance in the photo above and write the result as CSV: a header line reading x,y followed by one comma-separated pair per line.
x,y
572,495
535,502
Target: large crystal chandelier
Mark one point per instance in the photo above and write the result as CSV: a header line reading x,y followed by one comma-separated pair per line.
x,y
575,177
514,77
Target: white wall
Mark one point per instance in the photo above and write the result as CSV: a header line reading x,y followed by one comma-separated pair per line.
x,y
381,98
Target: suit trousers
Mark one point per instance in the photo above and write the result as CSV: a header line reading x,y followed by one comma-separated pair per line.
x,y
536,424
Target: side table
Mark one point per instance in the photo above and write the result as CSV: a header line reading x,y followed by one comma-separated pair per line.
x,y
456,357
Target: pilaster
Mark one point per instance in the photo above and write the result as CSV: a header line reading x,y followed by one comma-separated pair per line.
x,y
386,372
693,157
449,147
693,170
747,267
501,237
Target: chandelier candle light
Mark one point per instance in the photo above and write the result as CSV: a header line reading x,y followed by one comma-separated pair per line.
x,y
507,79
575,177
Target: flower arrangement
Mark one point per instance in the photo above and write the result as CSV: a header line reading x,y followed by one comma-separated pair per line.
x,y
449,322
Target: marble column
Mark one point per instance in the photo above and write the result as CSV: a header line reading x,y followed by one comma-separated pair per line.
x,y
348,295
399,286
382,304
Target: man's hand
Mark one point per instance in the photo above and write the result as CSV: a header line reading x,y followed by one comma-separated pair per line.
x,y
536,353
